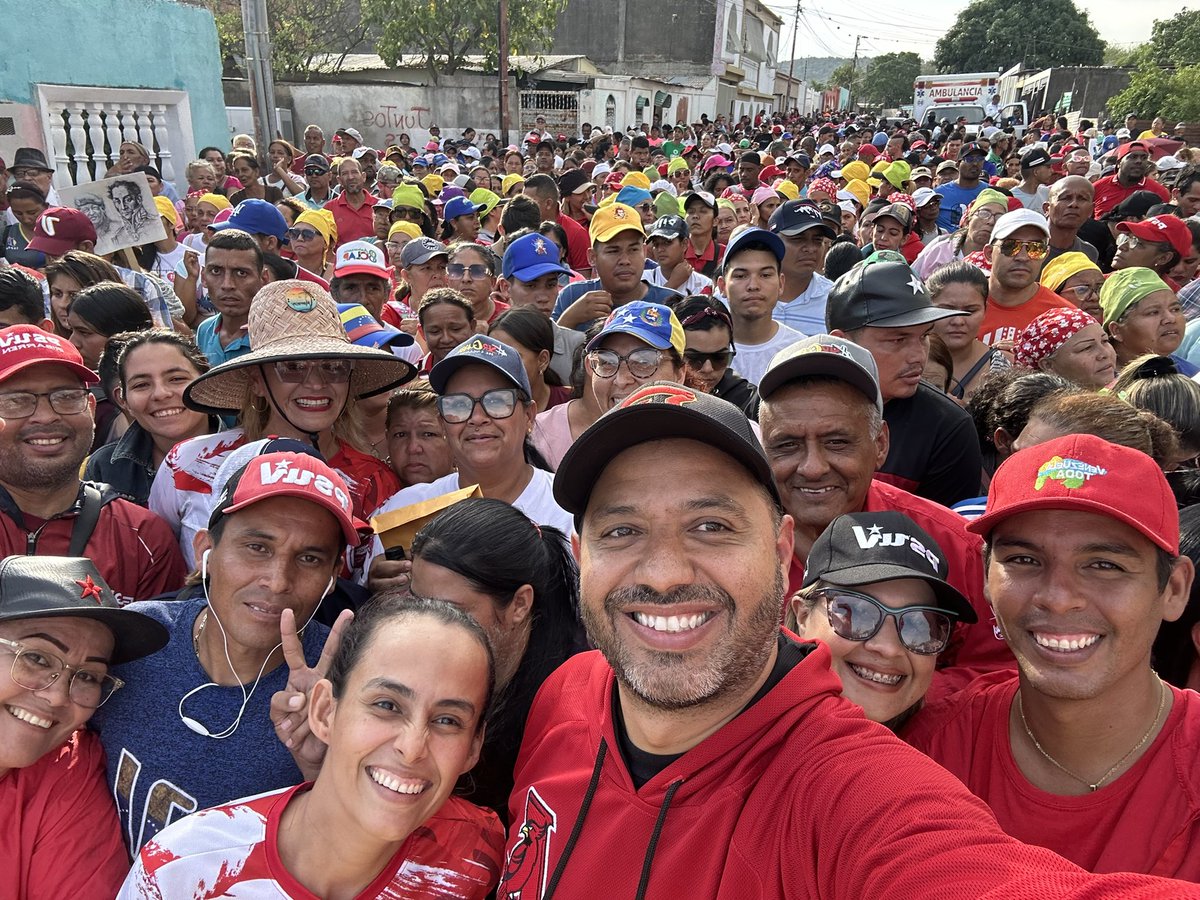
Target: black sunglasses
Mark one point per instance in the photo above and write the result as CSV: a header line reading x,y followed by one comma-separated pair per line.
x,y
924,630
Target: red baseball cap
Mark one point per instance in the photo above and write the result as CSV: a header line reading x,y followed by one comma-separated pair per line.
x,y
1085,473
22,346
1124,149
60,229
1161,230
292,475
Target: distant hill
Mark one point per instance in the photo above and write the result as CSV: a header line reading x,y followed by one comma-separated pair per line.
x,y
819,67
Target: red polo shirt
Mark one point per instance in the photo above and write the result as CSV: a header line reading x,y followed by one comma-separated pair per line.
x,y
578,243
353,224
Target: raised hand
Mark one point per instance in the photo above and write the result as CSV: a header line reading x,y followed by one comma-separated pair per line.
x,y
289,707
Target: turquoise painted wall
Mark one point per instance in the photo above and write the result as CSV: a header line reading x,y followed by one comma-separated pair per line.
x,y
115,43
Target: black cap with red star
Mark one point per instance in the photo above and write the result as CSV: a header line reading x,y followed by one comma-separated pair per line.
x,y
47,587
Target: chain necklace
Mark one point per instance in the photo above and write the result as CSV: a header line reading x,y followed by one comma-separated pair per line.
x,y
196,636
1095,786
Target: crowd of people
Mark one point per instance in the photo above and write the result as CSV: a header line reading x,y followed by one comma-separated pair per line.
x,y
786,507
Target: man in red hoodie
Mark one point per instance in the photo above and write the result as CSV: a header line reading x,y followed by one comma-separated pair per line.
x,y
702,752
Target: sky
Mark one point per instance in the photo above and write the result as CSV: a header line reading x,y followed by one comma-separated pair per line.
x,y
828,28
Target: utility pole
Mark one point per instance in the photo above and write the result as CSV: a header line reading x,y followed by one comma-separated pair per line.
x,y
853,75
502,34
792,64
258,71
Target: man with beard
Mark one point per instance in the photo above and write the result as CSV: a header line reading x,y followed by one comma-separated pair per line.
x,y
352,207
1069,206
46,509
1133,174
702,746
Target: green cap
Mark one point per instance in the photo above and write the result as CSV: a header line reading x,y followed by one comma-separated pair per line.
x,y
1127,287
484,198
408,195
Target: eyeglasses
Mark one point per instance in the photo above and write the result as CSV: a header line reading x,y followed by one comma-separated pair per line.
x,y
1132,241
23,173
36,670
499,403
331,371
407,214
458,270
1010,247
21,404
985,215
645,207
301,234
681,173
1083,291
719,359
924,630
642,363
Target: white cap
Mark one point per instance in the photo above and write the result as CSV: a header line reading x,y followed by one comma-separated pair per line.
x,y
1167,163
360,152
848,206
472,152
601,169
827,148
725,149
453,167
921,196
461,181
1019,218
1123,133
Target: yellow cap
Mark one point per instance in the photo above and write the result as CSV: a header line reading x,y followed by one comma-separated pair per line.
x,y
409,228
855,171
611,220
408,195
861,191
637,179
507,183
166,209
676,164
1058,270
398,527
217,201
788,190
433,184
484,198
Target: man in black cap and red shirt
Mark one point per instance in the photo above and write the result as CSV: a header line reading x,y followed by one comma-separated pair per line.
x,y
576,189
61,628
749,164
700,745
882,305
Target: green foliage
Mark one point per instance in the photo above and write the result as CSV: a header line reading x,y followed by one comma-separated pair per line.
x,y
445,32
1153,90
994,34
888,81
847,76
306,35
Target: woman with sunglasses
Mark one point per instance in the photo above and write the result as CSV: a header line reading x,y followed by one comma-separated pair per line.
x,y
471,270
973,236
410,204
1076,279
302,380
485,403
312,239
709,353
875,593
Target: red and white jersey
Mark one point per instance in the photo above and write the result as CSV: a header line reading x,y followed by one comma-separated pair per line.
x,y
233,851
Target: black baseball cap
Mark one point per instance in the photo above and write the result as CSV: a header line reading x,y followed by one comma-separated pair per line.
x,y
824,354
56,587
674,228
659,410
793,217
899,212
865,547
573,181
1034,157
883,293
972,148
316,161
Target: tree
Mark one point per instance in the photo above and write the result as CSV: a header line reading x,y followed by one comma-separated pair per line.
x,y
1173,93
888,81
445,32
848,76
992,35
307,36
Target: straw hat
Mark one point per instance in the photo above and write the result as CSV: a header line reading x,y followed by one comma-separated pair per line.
x,y
294,320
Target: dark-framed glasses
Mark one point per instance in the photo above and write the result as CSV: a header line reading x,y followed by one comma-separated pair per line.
x,y
642,363
499,403
36,670
924,630
22,404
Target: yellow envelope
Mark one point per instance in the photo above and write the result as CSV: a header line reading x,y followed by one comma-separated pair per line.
x,y
398,527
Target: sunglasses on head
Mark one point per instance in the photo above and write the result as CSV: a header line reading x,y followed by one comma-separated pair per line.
x,y
1010,247
925,630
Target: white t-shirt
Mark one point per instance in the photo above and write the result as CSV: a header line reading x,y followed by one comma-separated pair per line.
x,y
696,283
1033,201
165,263
752,360
536,501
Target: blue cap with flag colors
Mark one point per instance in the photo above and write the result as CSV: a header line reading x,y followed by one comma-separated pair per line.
x,y
364,330
652,323
530,257
256,217
481,348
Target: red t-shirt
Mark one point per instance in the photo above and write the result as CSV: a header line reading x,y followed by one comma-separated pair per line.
x,y
59,835
578,243
455,853
1109,192
1146,821
1004,323
353,224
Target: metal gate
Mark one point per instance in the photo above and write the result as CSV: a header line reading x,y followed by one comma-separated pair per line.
x,y
561,109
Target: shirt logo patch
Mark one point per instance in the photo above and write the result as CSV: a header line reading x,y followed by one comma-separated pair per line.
x,y
528,863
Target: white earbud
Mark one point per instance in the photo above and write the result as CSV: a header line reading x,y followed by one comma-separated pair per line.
x,y
204,564
329,587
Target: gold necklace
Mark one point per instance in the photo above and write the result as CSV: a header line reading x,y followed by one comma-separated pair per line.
x,y
196,636
1094,786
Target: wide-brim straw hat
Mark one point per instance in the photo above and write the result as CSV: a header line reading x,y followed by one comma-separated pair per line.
x,y
294,319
